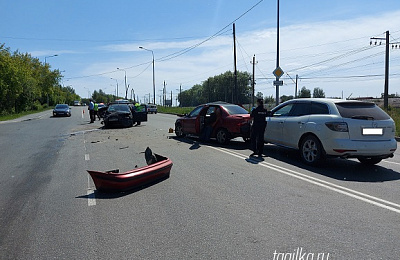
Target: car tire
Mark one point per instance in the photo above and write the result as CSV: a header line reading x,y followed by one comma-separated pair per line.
x,y
222,136
369,160
179,131
311,150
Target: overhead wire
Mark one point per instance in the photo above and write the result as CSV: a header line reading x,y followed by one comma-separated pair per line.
x,y
185,50
181,52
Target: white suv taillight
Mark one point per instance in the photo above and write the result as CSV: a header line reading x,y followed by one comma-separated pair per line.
x,y
337,126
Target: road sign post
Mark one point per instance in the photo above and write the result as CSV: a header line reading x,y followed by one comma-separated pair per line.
x,y
278,73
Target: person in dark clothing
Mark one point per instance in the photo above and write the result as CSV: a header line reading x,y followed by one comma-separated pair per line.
x,y
91,111
257,130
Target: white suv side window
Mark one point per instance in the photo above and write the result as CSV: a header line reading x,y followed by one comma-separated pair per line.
x,y
284,111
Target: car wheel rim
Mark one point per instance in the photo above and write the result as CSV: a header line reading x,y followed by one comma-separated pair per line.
x,y
178,131
310,151
221,136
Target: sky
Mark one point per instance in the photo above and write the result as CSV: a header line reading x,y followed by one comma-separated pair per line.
x,y
326,43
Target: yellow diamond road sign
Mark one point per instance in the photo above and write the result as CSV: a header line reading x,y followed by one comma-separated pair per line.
x,y
278,72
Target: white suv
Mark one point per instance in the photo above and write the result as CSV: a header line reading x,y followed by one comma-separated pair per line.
x,y
332,127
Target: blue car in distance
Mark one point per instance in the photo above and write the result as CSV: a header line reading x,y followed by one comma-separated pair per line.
x,y
62,110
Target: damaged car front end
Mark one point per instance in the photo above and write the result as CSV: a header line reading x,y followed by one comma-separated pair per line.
x,y
118,115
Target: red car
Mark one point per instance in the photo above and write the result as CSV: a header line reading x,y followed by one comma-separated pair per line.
x,y
219,120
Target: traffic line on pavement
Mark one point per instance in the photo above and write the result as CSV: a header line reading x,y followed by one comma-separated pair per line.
x,y
91,195
325,184
387,161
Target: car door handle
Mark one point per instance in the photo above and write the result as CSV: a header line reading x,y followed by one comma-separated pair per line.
x,y
301,123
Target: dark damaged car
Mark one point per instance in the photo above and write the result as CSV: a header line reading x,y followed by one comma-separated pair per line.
x,y
123,114
118,115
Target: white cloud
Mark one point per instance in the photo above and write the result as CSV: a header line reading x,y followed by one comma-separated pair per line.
x,y
301,46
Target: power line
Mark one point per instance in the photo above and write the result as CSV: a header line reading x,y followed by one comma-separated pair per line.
x,y
181,52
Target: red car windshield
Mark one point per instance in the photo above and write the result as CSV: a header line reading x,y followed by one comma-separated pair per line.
x,y
235,110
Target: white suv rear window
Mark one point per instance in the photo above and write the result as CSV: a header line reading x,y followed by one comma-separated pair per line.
x,y
362,111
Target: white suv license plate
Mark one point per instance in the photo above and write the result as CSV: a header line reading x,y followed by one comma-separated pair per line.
x,y
372,131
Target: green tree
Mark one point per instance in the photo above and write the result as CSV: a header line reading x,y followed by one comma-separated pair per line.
x,y
218,88
27,84
318,93
304,93
269,100
286,98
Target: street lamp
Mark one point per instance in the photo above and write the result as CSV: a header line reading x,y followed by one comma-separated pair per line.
x,y
126,89
88,92
45,58
116,94
154,79
45,62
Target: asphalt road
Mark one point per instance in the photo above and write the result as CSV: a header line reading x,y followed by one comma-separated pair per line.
x,y
216,204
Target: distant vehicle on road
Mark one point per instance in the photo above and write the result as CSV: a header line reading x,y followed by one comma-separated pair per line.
x,y
233,121
62,110
321,128
151,108
77,103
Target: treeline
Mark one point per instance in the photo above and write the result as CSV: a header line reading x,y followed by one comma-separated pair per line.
x,y
218,88
27,84
101,97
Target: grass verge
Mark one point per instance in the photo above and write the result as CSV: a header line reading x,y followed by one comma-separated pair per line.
x,y
18,115
175,110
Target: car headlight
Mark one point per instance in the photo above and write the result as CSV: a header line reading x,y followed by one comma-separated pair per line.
x,y
338,126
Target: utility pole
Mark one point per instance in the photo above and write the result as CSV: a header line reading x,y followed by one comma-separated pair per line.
x,y
235,95
277,54
180,95
253,82
164,93
209,90
386,88
295,82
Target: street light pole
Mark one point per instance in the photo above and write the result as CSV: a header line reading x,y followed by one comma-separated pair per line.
x,y
116,94
154,79
126,89
45,63
45,58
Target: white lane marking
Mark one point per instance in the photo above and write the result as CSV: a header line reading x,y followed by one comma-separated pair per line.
x,y
90,192
328,185
386,161
91,195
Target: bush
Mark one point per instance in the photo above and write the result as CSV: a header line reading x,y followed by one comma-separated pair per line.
x,y
37,105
